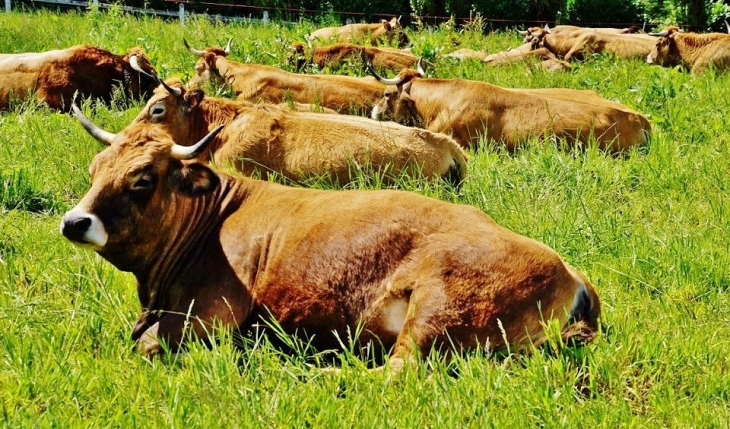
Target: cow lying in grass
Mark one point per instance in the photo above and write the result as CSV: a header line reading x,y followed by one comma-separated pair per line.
x,y
697,52
384,31
263,140
335,55
470,110
255,82
410,273
55,77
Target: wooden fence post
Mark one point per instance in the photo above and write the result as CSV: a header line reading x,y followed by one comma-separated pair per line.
x,y
182,13
266,18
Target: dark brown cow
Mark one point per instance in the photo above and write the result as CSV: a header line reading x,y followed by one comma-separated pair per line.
x,y
358,33
301,146
469,110
254,82
53,77
334,55
697,52
409,272
573,44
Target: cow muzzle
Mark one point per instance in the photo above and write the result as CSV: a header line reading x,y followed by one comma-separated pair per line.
x,y
84,229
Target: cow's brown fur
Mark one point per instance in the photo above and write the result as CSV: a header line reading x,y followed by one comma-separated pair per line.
x,y
334,55
409,272
54,77
573,45
469,109
525,52
255,82
358,33
697,52
302,145
572,30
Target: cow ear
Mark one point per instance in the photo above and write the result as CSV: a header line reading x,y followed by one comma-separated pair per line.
x,y
209,58
193,179
405,90
192,99
386,25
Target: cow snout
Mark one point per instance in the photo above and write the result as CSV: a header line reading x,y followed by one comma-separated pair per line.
x,y
83,228
75,229
649,59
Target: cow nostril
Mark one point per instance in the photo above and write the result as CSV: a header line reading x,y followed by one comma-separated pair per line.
x,y
76,228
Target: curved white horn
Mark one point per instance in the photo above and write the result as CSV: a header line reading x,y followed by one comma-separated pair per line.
x,y
174,91
398,20
104,137
727,26
189,152
660,34
547,28
193,51
227,49
523,32
419,67
393,81
135,65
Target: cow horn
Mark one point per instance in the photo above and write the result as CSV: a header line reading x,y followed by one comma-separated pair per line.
x,y
547,28
394,81
189,152
727,26
419,67
398,20
523,32
135,65
193,51
227,49
177,92
104,137
660,34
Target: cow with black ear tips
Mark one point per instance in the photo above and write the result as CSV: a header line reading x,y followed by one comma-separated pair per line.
x,y
411,273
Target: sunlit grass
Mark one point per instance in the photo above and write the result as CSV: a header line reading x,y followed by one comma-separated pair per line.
x,y
649,229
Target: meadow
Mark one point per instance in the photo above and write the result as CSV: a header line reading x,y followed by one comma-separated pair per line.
x,y
649,229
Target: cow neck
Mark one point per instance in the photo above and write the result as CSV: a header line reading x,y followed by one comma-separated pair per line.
x,y
186,242
211,113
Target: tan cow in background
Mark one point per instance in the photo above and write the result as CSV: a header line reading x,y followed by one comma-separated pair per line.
x,y
54,77
470,110
410,274
301,146
574,44
385,31
255,82
335,55
697,52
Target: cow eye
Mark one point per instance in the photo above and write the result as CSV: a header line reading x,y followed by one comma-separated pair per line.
x,y
158,111
143,184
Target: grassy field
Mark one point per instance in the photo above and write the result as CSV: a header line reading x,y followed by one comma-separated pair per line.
x,y
650,230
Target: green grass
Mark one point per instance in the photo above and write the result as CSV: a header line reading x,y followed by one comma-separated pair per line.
x,y
650,230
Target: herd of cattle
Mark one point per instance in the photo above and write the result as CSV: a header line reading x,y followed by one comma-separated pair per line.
x,y
233,251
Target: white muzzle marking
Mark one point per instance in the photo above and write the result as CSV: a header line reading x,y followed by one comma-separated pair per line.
x,y
95,236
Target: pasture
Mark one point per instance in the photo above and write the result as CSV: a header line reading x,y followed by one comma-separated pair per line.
x,y
649,229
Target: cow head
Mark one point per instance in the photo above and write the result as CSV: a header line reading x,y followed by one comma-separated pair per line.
x,y
665,50
172,107
136,183
534,35
206,69
139,73
393,29
298,57
397,104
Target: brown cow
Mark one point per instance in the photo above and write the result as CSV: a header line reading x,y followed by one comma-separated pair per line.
x,y
255,82
538,32
410,273
573,45
697,52
524,52
53,77
375,33
301,146
469,109
334,55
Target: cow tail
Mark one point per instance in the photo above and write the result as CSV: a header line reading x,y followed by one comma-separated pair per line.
x,y
583,322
